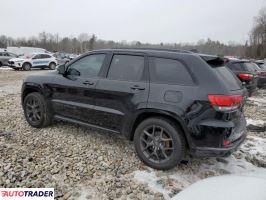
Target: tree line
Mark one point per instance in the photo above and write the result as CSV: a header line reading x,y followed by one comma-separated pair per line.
x,y
254,48
257,42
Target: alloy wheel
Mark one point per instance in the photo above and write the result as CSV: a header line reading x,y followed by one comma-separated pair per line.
x,y
156,144
33,109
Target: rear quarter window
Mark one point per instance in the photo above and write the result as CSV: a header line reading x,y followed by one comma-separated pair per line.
x,y
169,71
230,80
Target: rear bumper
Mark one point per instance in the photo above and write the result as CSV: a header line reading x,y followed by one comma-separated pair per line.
x,y
219,137
218,152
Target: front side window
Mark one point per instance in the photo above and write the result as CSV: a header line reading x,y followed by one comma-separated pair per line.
x,y
126,67
36,57
169,71
88,66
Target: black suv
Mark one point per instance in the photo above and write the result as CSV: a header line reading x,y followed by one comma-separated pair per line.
x,y
172,104
245,71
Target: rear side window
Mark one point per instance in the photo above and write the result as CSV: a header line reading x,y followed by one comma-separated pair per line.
x,y
169,71
45,56
230,80
126,67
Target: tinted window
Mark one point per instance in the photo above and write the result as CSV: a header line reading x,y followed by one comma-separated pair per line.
x,y
235,66
37,56
169,71
230,80
45,56
126,67
88,66
1,54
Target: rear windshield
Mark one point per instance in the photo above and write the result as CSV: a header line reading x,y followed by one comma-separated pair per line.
x,y
250,67
230,80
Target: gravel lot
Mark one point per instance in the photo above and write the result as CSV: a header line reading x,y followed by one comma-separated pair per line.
x,y
83,163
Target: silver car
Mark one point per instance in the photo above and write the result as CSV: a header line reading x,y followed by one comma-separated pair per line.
x,y
5,57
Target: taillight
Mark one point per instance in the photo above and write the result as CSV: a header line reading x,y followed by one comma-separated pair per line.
x,y
224,102
245,77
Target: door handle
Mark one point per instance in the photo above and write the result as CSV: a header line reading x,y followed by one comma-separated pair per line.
x,y
137,87
88,83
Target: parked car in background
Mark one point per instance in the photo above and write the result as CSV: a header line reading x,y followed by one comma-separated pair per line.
x,y
261,64
246,73
36,60
5,57
61,58
172,104
261,74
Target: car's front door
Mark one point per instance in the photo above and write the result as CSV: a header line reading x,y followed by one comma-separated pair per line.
x,y
73,93
37,60
122,92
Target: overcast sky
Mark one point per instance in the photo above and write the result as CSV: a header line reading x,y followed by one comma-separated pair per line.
x,y
152,21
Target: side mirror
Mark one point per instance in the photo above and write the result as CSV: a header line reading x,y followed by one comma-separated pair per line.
x,y
61,69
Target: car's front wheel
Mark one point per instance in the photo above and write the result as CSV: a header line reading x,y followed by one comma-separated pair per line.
x,y
52,66
26,66
36,111
159,143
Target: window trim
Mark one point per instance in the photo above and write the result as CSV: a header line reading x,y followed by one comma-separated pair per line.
x,y
144,76
86,55
194,81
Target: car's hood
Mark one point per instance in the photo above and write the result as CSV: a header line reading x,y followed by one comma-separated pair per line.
x,y
19,59
229,187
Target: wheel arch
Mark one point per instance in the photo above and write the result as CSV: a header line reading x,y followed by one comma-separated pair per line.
x,y
30,89
145,114
27,62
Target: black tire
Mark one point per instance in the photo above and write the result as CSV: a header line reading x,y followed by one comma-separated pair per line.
x,y
36,110
177,143
1,64
52,66
26,66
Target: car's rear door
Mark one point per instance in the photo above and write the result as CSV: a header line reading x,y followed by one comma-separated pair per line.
x,y
123,91
73,93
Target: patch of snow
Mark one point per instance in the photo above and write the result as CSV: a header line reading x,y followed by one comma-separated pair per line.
x,y
152,180
255,122
258,101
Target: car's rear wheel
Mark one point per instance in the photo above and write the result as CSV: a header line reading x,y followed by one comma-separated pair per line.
x,y
159,143
36,111
1,64
52,66
26,66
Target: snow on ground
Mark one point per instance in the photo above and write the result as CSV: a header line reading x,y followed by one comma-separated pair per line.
x,y
258,101
255,122
247,159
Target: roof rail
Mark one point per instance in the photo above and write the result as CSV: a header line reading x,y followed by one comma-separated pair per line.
x,y
155,49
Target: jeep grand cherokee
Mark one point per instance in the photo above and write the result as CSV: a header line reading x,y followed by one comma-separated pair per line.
x,y
172,104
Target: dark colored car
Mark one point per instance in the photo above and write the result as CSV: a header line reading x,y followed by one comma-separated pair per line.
x,y
172,104
246,73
